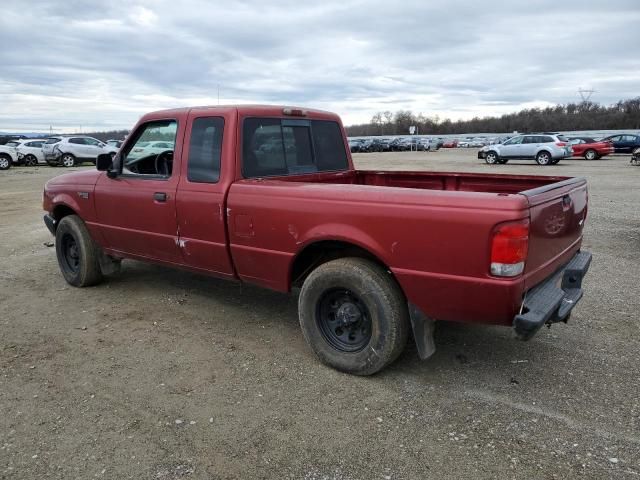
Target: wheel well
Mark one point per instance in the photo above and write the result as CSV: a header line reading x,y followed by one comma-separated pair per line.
x,y
61,211
544,150
321,252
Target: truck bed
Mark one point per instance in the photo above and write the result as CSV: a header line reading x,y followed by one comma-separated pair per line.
x,y
463,182
432,229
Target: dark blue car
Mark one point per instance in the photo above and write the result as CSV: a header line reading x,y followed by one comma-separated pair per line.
x,y
625,143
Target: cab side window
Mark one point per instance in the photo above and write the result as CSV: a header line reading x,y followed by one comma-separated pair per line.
x,y
142,157
205,149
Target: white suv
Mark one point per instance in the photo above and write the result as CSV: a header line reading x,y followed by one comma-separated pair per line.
x,y
70,151
30,152
7,157
544,148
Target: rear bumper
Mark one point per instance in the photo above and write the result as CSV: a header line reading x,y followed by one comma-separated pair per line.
x,y
552,300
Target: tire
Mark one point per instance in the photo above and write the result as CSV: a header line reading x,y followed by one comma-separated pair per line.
x,y
503,161
30,161
543,158
492,158
68,160
591,155
362,293
5,162
78,255
555,161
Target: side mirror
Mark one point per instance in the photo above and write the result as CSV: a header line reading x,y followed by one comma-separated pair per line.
x,y
104,163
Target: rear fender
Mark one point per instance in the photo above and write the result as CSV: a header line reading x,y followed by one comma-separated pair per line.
x,y
343,233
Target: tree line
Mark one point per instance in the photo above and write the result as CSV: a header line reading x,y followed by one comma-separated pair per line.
x,y
625,114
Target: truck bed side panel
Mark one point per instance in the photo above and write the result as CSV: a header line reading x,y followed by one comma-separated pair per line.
x,y
435,242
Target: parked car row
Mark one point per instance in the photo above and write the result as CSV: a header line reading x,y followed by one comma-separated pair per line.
x,y
398,144
549,148
59,150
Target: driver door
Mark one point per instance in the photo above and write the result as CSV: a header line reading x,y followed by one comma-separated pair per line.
x,y
136,210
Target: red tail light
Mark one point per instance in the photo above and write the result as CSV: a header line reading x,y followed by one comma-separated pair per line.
x,y
294,112
561,144
509,248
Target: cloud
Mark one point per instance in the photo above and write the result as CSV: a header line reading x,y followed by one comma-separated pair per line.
x,y
71,63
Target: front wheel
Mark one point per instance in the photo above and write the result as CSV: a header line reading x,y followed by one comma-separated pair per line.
x,y
78,255
30,160
353,315
543,158
491,158
591,155
5,162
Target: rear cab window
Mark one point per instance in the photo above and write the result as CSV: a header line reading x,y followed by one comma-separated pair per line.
x,y
278,146
205,149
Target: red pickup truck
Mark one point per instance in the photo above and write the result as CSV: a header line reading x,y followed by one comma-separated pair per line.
x,y
268,195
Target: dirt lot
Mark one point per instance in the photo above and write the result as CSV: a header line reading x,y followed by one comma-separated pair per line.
x,y
159,374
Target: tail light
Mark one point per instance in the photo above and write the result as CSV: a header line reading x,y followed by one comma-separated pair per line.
x,y
294,112
561,144
509,248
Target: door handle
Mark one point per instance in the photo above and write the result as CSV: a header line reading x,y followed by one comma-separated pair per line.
x,y
160,197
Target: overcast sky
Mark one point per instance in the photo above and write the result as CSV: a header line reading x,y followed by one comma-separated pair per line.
x,y
100,65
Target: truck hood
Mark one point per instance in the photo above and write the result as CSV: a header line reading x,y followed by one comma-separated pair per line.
x,y
86,177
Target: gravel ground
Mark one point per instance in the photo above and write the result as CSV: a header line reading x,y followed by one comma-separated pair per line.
x,y
161,374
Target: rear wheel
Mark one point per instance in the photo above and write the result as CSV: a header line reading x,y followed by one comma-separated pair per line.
x,y
491,158
78,255
68,160
543,158
353,315
591,155
5,162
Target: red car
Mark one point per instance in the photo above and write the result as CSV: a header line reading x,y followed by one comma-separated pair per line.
x,y
589,148
450,144
268,195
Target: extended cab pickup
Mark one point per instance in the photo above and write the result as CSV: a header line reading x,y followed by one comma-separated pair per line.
x,y
268,195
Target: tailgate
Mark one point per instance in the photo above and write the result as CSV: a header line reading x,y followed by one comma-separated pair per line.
x,y
557,215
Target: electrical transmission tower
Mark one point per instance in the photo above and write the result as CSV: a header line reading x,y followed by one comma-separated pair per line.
x,y
585,93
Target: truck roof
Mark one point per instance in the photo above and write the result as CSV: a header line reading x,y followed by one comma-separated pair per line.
x,y
261,110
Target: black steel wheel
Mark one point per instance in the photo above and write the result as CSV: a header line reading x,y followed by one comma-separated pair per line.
x,y
344,320
70,255
354,315
78,255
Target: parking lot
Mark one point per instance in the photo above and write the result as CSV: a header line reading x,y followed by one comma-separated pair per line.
x,y
160,374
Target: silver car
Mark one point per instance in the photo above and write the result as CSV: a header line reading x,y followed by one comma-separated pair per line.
x,y
544,148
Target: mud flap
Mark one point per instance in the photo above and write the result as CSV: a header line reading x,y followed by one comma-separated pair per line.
x,y
108,264
423,328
